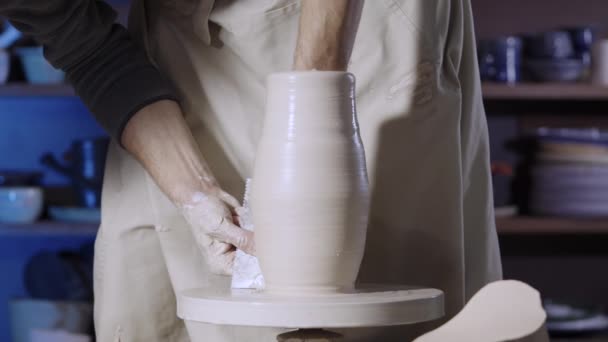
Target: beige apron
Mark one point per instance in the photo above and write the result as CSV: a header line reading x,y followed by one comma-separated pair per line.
x,y
422,124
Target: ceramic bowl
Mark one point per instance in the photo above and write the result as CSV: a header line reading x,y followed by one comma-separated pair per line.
x,y
592,136
555,70
20,204
549,45
37,69
29,315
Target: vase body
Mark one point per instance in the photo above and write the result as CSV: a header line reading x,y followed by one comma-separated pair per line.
x,y
310,194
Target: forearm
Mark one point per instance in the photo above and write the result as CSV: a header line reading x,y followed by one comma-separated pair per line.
x,y
326,34
158,137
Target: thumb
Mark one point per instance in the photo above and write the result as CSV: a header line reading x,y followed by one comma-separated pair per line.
x,y
228,199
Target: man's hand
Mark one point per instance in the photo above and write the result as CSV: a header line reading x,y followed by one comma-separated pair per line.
x,y
211,218
159,138
326,34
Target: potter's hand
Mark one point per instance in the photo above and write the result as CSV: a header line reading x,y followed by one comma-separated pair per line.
x,y
159,138
211,219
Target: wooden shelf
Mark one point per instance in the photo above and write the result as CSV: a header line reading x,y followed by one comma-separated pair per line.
x,y
544,91
550,225
24,89
52,228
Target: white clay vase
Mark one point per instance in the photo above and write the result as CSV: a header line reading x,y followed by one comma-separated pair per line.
x,y
310,192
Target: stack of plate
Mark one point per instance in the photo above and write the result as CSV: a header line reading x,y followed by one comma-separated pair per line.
x,y
571,175
567,319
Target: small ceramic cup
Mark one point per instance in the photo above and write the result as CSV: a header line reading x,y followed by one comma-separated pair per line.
x,y
500,59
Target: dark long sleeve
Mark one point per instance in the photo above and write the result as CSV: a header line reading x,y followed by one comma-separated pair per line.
x,y
107,69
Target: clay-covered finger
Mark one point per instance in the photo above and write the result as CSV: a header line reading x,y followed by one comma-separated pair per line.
x,y
220,257
236,236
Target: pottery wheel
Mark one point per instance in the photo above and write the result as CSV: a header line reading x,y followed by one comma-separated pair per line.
x,y
364,307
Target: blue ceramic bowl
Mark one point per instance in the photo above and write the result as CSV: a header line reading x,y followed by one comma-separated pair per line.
x,y
37,69
549,45
20,204
555,70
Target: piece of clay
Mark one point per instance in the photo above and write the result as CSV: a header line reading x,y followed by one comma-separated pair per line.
x,y
310,195
501,311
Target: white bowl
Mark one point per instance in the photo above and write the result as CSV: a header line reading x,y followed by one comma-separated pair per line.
x,y
29,315
20,204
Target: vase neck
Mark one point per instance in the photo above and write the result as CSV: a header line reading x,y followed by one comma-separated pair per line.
x,y
314,101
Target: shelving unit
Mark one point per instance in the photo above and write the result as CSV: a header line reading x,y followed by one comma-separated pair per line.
x,y
531,225
544,91
24,89
49,228
563,258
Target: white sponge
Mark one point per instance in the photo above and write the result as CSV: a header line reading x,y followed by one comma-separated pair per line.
x,y
246,272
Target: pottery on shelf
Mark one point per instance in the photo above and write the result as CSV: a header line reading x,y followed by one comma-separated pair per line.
x,y
310,193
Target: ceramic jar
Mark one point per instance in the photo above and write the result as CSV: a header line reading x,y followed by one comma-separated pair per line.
x,y
310,193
